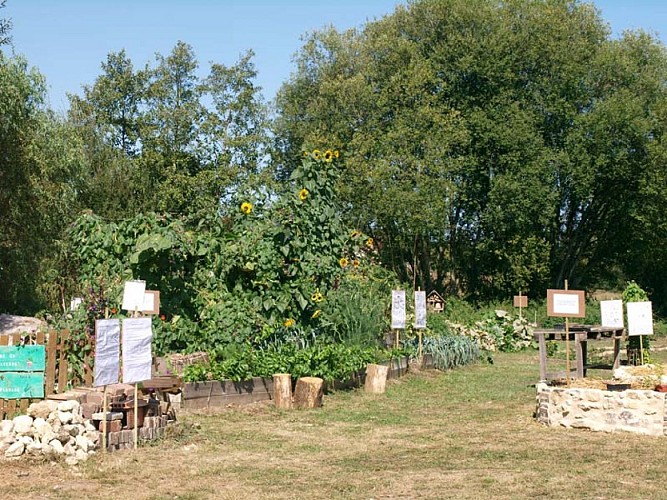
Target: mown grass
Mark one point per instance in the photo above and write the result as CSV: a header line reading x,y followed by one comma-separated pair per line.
x,y
468,433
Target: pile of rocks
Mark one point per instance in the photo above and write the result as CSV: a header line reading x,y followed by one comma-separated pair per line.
x,y
50,428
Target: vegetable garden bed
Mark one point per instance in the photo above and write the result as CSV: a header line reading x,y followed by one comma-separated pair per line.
x,y
198,395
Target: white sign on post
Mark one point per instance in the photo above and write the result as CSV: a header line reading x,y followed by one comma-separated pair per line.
x,y
133,295
137,355
420,310
611,312
107,351
398,309
640,318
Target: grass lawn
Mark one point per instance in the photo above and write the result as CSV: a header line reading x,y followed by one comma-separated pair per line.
x,y
468,433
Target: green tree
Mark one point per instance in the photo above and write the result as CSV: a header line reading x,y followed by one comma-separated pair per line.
x,y
488,146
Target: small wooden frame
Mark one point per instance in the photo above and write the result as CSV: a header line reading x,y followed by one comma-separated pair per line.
x,y
435,302
566,303
151,302
520,301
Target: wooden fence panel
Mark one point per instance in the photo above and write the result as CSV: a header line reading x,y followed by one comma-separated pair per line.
x,y
50,372
56,373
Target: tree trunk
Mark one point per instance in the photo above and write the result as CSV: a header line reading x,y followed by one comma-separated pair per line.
x,y
282,390
309,392
376,378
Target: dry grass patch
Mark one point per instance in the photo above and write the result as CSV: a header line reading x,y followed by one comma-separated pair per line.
x,y
468,433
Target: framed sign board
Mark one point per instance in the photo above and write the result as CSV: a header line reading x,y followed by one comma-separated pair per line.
x,y
520,301
566,303
151,303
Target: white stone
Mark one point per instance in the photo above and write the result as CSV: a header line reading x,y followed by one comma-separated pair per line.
x,y
46,449
65,417
71,460
40,427
23,424
26,440
48,436
72,430
93,436
15,450
41,409
89,426
34,448
68,406
81,455
57,447
77,419
6,427
69,449
84,443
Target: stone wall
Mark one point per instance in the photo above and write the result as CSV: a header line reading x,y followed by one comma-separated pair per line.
x,y
641,412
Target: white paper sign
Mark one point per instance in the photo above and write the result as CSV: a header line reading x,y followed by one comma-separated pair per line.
x,y
611,312
75,303
420,309
640,318
107,352
566,304
398,309
133,295
137,354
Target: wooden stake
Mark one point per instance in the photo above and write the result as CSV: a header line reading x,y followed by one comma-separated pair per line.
x,y
641,351
419,352
567,347
105,408
396,334
520,308
136,411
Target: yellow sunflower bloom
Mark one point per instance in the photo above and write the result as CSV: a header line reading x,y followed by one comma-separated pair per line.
x,y
369,242
316,314
328,156
336,154
317,154
343,262
289,323
303,194
317,297
246,207
355,234
356,263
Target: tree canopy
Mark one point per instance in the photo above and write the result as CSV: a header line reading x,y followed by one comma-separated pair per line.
x,y
490,146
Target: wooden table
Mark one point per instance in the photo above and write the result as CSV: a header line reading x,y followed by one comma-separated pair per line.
x,y
580,334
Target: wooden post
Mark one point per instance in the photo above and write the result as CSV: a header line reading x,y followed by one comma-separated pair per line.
x,y
641,351
541,342
309,392
136,414
282,390
105,408
567,347
520,308
376,378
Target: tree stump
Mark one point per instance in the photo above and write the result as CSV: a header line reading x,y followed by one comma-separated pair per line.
x,y
282,390
308,393
376,378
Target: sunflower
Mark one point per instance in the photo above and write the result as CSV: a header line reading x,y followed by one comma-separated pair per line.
x,y
343,262
316,314
355,234
369,242
246,207
303,194
306,154
317,297
336,154
356,263
317,154
289,323
328,156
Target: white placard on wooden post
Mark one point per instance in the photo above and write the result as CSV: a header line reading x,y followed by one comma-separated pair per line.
x,y
107,352
640,318
137,354
566,303
398,309
420,310
133,295
611,313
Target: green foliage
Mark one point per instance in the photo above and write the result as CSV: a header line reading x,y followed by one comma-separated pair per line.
x,y
450,351
634,293
327,361
479,167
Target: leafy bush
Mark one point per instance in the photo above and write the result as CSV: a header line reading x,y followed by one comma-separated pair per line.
x,y
327,361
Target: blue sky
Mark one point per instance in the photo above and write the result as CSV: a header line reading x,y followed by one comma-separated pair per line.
x,y
67,40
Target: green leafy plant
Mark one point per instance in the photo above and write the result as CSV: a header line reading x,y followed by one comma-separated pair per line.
x,y
451,351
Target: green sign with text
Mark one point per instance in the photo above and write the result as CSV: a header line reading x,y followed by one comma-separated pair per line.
x,y
23,358
22,371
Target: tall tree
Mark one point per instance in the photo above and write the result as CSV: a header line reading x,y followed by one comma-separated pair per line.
x,y
488,145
